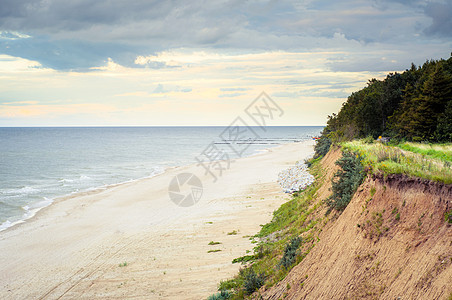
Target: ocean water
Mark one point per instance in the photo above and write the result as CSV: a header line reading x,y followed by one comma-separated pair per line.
x,y
39,164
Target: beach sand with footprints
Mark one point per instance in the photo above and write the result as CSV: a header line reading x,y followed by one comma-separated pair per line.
x,y
132,241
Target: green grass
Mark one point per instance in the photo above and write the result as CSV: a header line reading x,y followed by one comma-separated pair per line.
x,y
438,151
393,160
213,251
214,243
234,232
124,264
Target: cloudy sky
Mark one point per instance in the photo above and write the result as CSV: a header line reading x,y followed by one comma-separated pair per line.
x,y
147,62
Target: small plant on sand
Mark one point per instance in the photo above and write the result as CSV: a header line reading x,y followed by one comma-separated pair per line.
x,y
234,232
214,243
124,264
213,251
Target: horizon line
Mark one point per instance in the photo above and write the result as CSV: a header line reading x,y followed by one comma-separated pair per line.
x,y
144,126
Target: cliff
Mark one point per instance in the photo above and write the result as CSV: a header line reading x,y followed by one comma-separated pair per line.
x,y
391,242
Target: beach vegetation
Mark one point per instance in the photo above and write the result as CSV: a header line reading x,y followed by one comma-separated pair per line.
x,y
253,281
346,180
214,243
322,145
234,232
290,253
222,295
124,264
214,250
244,259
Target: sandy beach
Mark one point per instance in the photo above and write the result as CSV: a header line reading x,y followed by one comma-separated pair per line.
x,y
132,241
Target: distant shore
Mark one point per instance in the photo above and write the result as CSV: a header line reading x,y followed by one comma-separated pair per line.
x,y
131,240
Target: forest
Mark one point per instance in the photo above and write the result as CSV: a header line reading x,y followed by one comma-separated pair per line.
x,y
415,105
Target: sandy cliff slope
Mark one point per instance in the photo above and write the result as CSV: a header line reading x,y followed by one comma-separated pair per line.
x,y
391,242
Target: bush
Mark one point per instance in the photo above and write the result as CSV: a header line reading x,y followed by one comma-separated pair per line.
x,y
346,180
222,295
322,146
290,253
369,139
253,281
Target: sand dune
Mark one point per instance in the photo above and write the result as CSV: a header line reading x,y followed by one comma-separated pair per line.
x,y
74,248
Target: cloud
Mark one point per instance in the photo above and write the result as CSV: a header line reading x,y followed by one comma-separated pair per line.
x,y
441,14
212,91
81,34
13,35
145,61
231,95
231,89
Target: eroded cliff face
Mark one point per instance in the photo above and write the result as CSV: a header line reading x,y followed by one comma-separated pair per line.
x,y
391,242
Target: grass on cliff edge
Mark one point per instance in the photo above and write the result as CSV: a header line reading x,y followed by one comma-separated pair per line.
x,y
291,220
432,162
438,151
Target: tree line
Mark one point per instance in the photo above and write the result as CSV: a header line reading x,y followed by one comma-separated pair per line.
x,y
415,105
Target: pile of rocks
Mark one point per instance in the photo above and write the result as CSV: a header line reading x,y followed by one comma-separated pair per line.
x,y
296,178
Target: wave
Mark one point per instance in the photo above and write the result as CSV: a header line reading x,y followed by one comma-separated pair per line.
x,y
31,209
29,212
64,180
25,190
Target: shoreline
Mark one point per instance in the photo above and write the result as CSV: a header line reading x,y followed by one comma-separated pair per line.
x,y
92,190
81,239
31,213
88,191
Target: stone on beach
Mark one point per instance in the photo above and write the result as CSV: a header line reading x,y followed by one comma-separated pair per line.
x,y
296,178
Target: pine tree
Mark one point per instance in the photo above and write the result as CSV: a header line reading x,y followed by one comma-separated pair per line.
x,y
443,131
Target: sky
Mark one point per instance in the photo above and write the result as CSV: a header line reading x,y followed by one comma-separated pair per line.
x,y
178,63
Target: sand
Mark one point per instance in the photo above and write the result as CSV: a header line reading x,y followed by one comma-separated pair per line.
x,y
73,248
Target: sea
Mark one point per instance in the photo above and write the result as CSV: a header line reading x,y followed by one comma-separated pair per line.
x,y
38,165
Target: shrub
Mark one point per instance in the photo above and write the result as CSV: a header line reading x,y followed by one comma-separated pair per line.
x,y
369,139
290,253
345,181
322,146
253,281
222,295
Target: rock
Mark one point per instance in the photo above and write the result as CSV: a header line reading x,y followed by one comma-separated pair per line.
x,y
296,178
